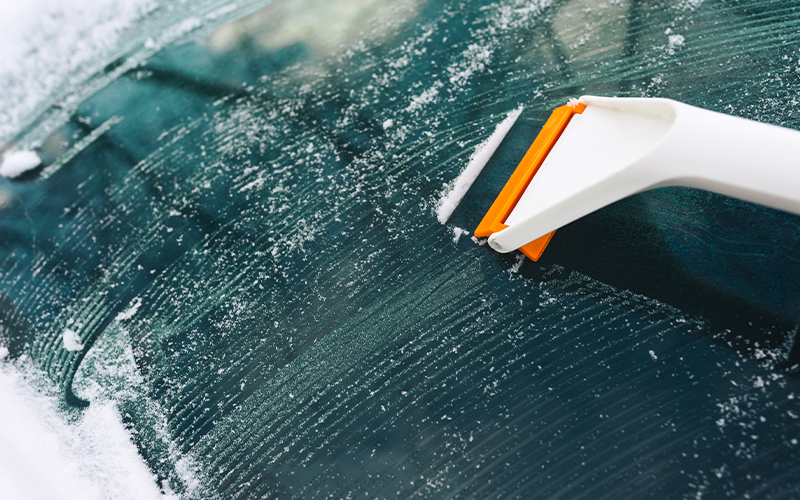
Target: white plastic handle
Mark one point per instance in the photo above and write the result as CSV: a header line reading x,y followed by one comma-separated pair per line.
x,y
621,146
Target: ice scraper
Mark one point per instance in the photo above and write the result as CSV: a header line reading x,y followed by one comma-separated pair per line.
x,y
597,150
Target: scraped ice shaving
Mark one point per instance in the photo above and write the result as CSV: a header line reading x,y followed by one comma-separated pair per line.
x,y
17,163
71,340
479,158
479,241
517,265
133,309
573,103
458,233
45,454
3,353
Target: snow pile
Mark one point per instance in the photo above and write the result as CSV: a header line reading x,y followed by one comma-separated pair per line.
x,y
479,158
17,163
45,455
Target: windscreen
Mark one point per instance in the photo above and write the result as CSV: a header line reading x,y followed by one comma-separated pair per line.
x,y
233,240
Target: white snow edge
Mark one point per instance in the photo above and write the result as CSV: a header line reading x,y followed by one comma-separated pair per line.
x,y
478,160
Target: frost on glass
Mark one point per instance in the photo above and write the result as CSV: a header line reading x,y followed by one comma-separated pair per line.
x,y
233,241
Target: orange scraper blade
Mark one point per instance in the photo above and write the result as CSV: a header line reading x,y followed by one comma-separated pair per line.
x,y
508,198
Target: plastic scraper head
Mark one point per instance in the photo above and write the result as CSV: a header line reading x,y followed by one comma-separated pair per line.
x,y
586,158
508,198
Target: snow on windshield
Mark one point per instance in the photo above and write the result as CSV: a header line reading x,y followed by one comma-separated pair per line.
x,y
49,45
229,269
54,51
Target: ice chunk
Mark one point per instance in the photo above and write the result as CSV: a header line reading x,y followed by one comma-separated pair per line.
x,y
72,341
17,163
